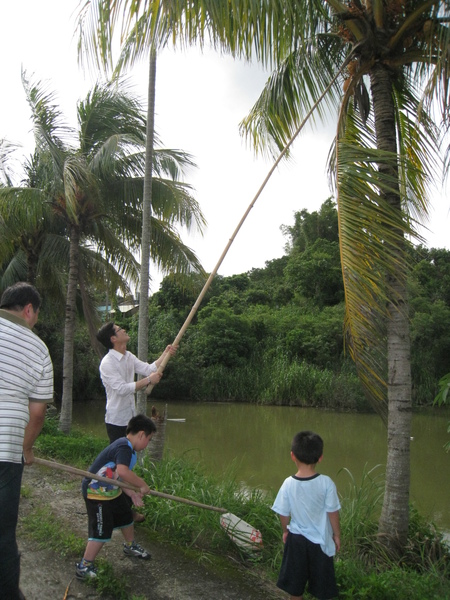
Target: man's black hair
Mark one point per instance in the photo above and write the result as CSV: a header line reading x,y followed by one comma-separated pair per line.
x,y
105,333
19,295
307,447
141,423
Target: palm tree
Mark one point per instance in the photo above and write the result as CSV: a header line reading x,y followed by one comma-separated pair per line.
x,y
34,246
96,192
380,65
31,239
146,227
102,58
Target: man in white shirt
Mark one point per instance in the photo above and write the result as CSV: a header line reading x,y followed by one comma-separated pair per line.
x,y
117,371
26,386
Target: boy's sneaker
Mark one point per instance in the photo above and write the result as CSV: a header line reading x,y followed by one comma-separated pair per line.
x,y
85,571
136,550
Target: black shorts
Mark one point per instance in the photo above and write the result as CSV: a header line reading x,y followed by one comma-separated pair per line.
x,y
305,563
106,515
115,431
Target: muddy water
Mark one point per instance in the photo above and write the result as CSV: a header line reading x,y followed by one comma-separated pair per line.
x,y
253,443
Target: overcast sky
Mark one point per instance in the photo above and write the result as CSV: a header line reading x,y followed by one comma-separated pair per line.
x,y
200,100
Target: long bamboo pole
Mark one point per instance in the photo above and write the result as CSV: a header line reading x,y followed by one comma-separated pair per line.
x,y
123,484
213,273
241,533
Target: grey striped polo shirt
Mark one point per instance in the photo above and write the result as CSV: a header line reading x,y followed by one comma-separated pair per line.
x,y
26,373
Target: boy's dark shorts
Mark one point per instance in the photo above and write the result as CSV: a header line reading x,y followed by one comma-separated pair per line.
x,y
106,515
305,562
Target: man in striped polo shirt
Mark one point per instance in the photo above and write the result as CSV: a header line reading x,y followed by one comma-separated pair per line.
x,y
26,386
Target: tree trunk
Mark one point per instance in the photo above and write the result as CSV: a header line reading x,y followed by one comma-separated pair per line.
x,y
394,520
65,420
156,447
146,228
32,262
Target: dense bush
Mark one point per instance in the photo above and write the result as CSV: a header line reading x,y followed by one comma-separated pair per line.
x,y
274,334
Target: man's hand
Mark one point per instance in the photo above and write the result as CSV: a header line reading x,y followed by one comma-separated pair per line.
x,y
33,429
28,456
154,378
171,349
164,358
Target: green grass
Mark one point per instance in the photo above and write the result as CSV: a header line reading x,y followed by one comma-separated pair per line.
x,y
76,449
362,505
107,582
41,525
364,568
357,582
200,528
26,491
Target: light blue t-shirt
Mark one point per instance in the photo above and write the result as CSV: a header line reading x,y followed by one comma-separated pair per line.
x,y
307,501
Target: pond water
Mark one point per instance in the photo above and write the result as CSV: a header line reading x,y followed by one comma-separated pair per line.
x,y
253,442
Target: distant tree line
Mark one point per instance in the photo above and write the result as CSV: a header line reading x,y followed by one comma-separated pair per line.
x,y
275,334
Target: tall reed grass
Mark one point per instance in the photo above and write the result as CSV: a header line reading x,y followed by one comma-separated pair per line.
x,y
277,379
200,528
365,570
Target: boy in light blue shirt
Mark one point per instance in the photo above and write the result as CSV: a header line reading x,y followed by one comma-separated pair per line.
x,y
308,506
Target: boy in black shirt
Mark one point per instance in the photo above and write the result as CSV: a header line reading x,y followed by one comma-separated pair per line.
x,y
107,506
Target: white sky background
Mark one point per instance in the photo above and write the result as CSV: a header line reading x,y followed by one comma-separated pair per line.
x,y
200,100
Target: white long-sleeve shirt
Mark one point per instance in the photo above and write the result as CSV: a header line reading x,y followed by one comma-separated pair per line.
x,y
117,372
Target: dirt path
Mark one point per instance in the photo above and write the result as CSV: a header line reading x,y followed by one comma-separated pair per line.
x,y
169,575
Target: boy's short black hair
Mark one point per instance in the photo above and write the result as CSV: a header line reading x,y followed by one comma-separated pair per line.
x,y
17,296
307,447
105,333
141,423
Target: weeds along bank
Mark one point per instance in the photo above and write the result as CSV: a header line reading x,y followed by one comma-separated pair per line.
x,y
364,570
281,381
